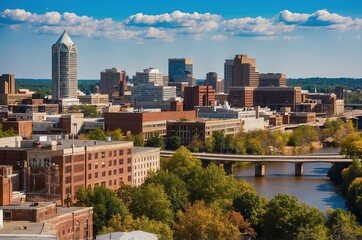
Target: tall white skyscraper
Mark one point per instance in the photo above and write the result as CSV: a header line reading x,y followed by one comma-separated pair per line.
x,y
64,68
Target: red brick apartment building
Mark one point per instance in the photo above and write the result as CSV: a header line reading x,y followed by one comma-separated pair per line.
x,y
60,168
40,219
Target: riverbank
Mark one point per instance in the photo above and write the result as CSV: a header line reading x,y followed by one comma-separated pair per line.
x,y
313,188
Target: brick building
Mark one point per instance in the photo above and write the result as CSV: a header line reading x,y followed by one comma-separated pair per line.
x,y
54,169
277,98
245,73
46,220
22,128
241,96
40,219
272,80
198,96
143,122
187,129
302,117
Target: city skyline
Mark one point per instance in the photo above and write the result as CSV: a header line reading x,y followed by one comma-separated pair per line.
x,y
302,40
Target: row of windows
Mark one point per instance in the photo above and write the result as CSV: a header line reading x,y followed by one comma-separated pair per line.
x,y
138,160
110,154
110,163
110,173
112,182
144,165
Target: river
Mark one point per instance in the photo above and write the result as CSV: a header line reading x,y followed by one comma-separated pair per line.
x,y
313,188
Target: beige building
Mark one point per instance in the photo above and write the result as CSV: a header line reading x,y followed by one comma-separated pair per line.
x,y
94,99
203,127
145,159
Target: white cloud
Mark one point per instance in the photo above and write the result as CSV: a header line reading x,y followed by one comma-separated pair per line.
x,y
292,38
167,26
185,22
154,33
288,17
219,38
254,27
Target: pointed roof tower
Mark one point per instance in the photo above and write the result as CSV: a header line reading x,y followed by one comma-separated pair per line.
x,y
65,39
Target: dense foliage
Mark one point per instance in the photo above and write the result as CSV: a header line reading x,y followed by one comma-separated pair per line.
x,y
349,176
43,86
325,85
186,201
7,133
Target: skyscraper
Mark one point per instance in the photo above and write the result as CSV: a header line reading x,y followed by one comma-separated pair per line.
x,y
64,68
245,74
228,73
180,70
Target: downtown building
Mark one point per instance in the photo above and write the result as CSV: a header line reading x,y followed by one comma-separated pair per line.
x,y
64,69
113,82
180,70
149,76
245,74
55,169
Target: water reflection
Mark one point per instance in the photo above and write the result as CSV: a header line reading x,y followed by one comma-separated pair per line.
x,y
313,188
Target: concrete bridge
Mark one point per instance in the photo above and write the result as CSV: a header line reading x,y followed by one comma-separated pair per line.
x,y
260,160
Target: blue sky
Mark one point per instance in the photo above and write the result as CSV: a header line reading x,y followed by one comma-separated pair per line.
x,y
300,38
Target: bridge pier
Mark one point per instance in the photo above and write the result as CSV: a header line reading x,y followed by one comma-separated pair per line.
x,y
298,169
259,169
228,168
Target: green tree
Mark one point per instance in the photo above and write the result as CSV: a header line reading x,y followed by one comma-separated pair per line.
x,y
196,144
174,187
202,222
104,202
116,135
303,136
229,143
96,134
89,111
173,143
352,145
156,141
209,143
351,173
128,224
212,185
183,164
354,196
152,201
219,139
8,133
286,218
139,140
252,207
343,225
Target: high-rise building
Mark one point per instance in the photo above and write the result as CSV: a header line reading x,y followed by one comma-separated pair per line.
x,y
211,79
272,79
64,68
113,82
7,84
228,74
180,70
245,74
149,76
